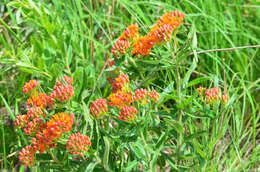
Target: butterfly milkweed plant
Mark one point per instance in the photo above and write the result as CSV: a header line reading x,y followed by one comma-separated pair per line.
x,y
128,123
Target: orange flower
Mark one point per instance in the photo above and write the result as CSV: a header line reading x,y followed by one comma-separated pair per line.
x,y
58,124
120,83
27,155
78,144
128,113
62,92
212,94
120,47
140,96
21,121
34,126
35,112
40,100
130,32
166,25
143,45
120,99
30,87
52,131
225,98
98,108
153,95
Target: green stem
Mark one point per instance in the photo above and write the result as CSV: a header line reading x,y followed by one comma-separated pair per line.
x,y
145,144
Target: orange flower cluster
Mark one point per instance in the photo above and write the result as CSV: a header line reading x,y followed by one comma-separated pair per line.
x,y
40,100
59,124
140,96
27,155
142,45
122,99
121,46
212,95
98,108
154,96
78,144
45,133
120,83
160,32
128,113
130,33
63,92
30,86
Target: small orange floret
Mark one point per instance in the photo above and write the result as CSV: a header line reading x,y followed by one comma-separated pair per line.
x,y
27,155
128,113
142,45
140,96
78,144
212,94
30,86
120,99
120,47
98,108
225,98
130,32
120,83
153,95
40,100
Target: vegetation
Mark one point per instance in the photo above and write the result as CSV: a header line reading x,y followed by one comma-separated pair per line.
x,y
169,97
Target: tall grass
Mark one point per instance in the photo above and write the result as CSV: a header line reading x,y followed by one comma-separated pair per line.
x,y
43,39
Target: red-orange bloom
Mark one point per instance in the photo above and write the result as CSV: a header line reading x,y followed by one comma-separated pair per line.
x,y
174,19
140,96
27,155
58,124
212,94
98,108
130,32
30,86
40,100
120,83
120,99
225,98
35,112
78,144
62,92
120,47
128,113
21,121
143,45
154,95
34,126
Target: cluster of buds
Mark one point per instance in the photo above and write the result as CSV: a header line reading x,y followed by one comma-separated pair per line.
x,y
128,113
123,99
98,108
45,132
122,44
63,92
78,144
27,155
142,45
140,96
212,95
30,87
120,83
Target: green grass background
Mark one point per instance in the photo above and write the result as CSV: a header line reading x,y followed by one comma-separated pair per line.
x,y
44,39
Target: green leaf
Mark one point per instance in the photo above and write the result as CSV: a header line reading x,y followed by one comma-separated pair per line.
x,y
106,153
